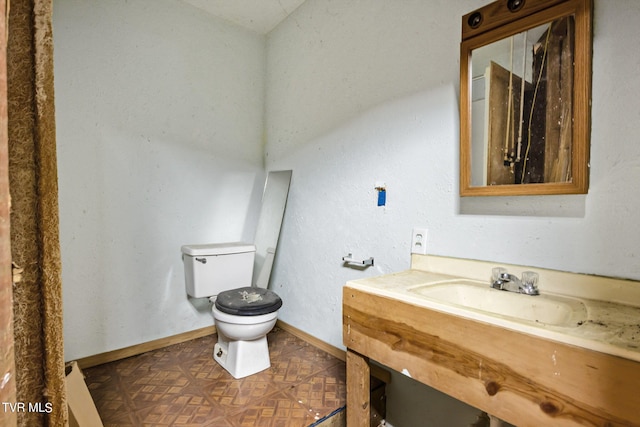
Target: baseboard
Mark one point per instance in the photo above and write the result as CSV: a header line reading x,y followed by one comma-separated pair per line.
x,y
134,350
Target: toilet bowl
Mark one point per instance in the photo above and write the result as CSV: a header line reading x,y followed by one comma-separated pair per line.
x,y
245,328
243,314
242,347
243,317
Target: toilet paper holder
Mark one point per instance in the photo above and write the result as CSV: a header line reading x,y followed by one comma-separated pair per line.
x,y
360,263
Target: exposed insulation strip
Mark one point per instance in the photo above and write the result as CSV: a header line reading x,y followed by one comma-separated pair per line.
x,y
34,217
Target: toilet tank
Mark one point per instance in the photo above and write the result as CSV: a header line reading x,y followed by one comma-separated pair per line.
x,y
217,267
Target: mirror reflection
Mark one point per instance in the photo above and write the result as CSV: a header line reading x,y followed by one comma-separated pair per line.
x,y
522,107
525,90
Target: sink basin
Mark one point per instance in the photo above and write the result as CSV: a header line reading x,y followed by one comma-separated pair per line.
x,y
546,309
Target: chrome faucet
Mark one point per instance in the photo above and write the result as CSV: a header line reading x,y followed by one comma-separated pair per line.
x,y
508,282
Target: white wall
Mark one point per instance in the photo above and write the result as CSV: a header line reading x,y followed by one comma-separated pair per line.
x,y
159,123
362,92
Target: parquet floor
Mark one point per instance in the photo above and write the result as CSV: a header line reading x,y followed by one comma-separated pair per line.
x,y
182,385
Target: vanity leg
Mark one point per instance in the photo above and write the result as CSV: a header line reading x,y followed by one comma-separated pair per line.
x,y
358,390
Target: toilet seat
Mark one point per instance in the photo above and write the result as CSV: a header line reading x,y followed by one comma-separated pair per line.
x,y
248,301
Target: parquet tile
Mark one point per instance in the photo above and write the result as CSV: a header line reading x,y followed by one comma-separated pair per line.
x,y
182,385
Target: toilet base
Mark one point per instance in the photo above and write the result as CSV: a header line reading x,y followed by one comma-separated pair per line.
x,y
242,358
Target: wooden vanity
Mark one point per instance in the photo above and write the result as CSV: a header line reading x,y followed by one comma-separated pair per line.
x,y
521,378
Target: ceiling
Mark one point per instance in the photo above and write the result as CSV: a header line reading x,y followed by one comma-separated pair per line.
x,y
260,16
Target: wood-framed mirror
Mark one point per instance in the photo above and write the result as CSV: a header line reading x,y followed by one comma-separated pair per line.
x,y
537,51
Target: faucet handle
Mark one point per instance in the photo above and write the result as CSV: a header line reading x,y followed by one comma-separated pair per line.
x,y
497,277
530,278
530,282
497,273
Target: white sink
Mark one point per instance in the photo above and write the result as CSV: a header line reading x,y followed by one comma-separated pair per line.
x,y
544,309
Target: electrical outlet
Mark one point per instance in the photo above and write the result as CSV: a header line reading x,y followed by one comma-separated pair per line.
x,y
419,241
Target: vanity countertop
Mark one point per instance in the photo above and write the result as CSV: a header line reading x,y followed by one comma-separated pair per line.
x,y
610,327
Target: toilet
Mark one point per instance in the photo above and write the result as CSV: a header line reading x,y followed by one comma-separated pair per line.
x,y
243,313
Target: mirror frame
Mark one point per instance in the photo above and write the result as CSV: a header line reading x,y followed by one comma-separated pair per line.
x,y
498,22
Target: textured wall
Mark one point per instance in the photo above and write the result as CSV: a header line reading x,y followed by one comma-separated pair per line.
x,y
348,107
159,117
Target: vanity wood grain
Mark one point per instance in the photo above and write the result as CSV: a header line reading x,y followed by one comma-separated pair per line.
x,y
520,378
